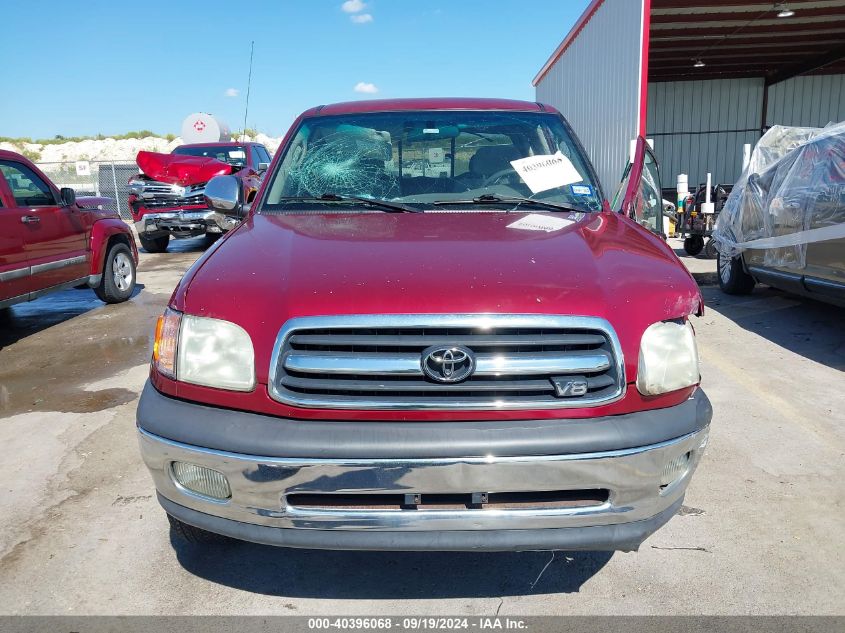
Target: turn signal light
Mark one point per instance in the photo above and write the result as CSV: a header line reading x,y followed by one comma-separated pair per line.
x,y
166,341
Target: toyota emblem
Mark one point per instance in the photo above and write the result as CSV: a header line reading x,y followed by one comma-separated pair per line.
x,y
448,364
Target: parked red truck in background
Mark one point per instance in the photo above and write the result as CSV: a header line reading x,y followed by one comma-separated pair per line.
x,y
166,199
51,241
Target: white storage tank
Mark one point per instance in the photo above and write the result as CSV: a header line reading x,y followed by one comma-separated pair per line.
x,y
201,127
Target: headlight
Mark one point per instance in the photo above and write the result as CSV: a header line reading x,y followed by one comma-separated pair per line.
x,y
215,353
136,186
204,351
668,358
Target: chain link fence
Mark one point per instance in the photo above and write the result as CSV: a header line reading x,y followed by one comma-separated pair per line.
x,y
95,178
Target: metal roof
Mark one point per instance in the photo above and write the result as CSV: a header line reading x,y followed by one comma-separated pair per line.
x,y
734,39
745,39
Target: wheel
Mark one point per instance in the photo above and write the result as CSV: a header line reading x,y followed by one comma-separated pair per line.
x,y
118,279
733,279
195,535
693,245
710,251
154,244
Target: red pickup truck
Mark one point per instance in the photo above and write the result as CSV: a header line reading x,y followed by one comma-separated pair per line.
x,y
50,240
429,332
166,199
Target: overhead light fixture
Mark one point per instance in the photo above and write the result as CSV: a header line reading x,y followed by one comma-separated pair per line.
x,y
784,11
699,64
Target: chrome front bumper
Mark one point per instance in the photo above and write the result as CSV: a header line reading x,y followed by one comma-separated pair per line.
x,y
260,486
194,222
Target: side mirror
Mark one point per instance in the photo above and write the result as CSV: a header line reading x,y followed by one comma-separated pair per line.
x,y
68,196
262,167
224,194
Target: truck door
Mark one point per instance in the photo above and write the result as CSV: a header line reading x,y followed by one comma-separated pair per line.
x,y
825,266
640,195
14,267
54,236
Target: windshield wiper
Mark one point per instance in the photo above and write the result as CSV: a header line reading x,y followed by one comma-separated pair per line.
x,y
491,199
384,205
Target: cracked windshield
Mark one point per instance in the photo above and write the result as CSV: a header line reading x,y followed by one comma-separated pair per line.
x,y
425,161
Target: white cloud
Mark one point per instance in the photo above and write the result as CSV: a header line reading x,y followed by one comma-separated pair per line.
x,y
353,6
363,18
366,87
231,92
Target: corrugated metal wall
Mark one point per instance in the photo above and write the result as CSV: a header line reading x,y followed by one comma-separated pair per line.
x,y
814,101
701,126
596,85
697,126
678,113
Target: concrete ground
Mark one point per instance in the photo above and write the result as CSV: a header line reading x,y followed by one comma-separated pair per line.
x,y
81,532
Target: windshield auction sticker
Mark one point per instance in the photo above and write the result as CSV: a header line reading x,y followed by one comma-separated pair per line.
x,y
546,171
537,222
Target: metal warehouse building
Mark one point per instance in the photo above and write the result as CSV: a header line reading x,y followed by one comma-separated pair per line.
x,y
700,78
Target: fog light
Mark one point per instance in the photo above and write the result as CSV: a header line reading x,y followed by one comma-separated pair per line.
x,y
674,470
203,481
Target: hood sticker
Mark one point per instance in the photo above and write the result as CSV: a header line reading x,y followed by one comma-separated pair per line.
x,y
546,171
537,222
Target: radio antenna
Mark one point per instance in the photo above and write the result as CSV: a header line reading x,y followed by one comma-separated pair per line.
x,y
248,84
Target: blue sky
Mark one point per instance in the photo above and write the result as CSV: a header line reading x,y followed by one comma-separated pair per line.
x,y
114,66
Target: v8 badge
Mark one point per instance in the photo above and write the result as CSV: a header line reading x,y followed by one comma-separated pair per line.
x,y
570,386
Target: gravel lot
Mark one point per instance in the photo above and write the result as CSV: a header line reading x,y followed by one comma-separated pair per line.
x,y
81,532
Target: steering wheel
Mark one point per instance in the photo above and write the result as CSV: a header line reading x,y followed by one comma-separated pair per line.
x,y
497,176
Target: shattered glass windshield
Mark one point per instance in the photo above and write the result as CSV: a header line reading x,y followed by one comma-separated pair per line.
x,y
434,160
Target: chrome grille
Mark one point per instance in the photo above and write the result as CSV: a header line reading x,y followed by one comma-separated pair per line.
x,y
374,361
160,195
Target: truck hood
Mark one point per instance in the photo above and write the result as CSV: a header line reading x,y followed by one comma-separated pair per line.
x,y
181,170
275,267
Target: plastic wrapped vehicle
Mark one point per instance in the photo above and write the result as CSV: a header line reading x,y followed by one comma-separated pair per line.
x,y
784,222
